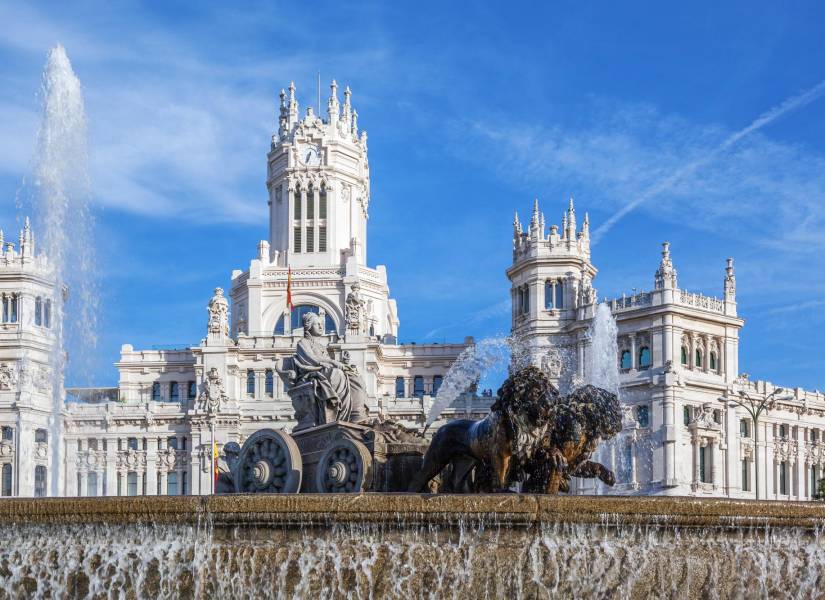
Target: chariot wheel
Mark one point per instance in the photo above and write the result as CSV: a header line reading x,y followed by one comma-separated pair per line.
x,y
345,467
269,463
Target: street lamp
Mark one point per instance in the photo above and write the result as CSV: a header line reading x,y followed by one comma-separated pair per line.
x,y
755,407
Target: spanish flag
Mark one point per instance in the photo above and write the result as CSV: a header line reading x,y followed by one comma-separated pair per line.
x,y
289,289
215,459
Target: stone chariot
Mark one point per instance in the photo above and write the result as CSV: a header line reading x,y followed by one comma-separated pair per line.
x,y
334,447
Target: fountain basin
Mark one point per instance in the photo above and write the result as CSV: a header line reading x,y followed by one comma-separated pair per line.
x,y
410,546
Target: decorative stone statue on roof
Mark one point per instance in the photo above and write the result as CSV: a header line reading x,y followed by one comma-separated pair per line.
x,y
323,390
355,308
212,393
218,313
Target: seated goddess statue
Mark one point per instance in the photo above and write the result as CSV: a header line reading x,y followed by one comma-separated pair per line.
x,y
340,393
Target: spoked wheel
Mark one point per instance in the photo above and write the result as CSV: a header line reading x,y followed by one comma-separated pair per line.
x,y
269,463
345,467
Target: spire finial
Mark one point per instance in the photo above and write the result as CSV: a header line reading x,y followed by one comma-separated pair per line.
x,y
666,273
571,204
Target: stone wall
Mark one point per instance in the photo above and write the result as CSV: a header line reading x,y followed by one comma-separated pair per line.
x,y
406,546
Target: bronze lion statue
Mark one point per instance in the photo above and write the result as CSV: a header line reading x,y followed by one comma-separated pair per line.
x,y
532,435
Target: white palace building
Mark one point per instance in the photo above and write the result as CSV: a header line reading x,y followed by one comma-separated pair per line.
x,y
155,432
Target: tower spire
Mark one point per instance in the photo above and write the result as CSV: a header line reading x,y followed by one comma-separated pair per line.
x,y
571,221
332,105
730,282
293,105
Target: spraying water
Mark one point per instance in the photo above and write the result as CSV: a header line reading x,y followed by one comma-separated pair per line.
x,y
601,363
468,368
61,203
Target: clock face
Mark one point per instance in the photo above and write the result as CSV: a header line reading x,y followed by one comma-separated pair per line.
x,y
310,156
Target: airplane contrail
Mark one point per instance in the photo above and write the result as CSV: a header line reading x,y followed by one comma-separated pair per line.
x,y
765,118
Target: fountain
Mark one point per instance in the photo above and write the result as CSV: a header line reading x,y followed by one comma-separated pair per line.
x,y
60,199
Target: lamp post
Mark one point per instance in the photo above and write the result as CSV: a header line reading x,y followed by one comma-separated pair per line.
x,y
755,407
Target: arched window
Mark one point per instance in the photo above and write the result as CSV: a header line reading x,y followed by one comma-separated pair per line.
x,y
7,478
38,311
298,317
39,481
712,363
399,387
437,381
250,382
626,362
698,358
174,391
156,391
644,357
269,384
684,355
643,416
418,386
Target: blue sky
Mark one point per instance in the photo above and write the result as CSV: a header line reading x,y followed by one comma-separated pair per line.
x,y
471,113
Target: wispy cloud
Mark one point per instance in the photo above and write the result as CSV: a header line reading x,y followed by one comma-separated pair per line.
x,y
691,168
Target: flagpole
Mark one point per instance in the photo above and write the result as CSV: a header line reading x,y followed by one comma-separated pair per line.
x,y
214,458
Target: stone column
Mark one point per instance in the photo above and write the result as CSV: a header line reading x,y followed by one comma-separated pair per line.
x,y
733,466
140,476
83,483
767,466
716,463
633,358
696,449
111,466
151,466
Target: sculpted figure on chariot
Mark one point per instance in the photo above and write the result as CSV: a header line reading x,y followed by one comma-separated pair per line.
x,y
339,390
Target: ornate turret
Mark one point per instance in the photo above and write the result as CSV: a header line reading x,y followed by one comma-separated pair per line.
x,y
730,288
666,274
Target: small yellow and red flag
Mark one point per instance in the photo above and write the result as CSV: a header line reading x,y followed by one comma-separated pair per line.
x,y
215,459
289,289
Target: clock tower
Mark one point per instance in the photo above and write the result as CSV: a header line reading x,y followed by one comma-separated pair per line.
x,y
318,183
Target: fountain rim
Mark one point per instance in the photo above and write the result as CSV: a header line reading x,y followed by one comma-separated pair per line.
x,y
517,510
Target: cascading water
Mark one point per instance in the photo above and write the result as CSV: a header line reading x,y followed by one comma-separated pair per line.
x,y
61,198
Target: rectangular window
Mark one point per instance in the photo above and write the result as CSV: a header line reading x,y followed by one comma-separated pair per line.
x,y
250,382
743,428
783,480
704,471
269,383
296,240
814,480
686,415
132,443
104,489
7,479
418,386
14,309
174,391
8,433
38,311
41,436
47,314
191,389
437,381
172,443
183,489
91,484
172,484
310,239
156,391
39,481
322,238
131,483
746,484
399,387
